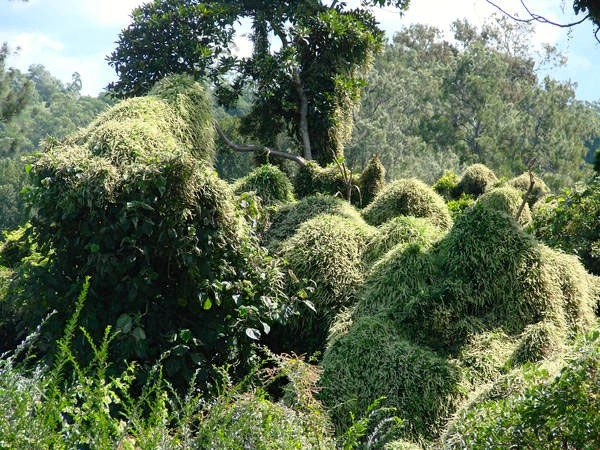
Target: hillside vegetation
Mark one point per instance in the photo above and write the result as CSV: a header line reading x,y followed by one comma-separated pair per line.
x,y
374,300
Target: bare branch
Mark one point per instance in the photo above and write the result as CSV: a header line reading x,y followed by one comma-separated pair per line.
x,y
258,148
535,17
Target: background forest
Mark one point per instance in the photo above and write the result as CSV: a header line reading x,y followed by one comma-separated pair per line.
x,y
335,242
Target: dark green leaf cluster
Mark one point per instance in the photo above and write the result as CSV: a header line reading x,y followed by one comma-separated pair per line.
x,y
569,221
549,412
174,267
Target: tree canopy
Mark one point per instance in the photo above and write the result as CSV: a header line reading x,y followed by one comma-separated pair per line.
x,y
306,69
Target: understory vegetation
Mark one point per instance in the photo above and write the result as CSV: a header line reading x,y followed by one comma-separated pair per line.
x,y
368,301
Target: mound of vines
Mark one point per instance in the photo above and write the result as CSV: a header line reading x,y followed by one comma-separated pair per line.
x,y
133,202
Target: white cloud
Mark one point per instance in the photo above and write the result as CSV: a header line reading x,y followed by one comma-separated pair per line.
x,y
109,12
34,48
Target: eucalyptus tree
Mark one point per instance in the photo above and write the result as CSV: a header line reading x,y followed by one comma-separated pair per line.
x,y
306,68
432,105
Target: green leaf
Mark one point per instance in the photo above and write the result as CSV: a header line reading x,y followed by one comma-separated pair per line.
x,y
207,304
124,323
253,333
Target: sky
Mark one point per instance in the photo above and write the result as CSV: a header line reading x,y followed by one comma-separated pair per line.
x,y
68,36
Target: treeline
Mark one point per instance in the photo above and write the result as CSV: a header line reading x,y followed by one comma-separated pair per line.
x,y
47,108
432,104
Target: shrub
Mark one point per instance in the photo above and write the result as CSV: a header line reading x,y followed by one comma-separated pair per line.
x,y
475,180
371,180
16,246
568,221
547,412
507,200
287,218
313,179
252,421
374,360
408,197
482,286
457,206
270,184
328,250
400,230
446,185
174,266
540,189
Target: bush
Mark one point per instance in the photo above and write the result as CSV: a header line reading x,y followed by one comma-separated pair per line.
x,y
409,197
252,421
540,189
475,180
372,180
287,218
174,266
16,246
507,200
547,413
447,185
328,250
400,230
270,184
485,285
374,360
313,179
568,221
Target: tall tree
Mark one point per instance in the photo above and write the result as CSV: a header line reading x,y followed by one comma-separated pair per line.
x,y
432,105
14,92
306,69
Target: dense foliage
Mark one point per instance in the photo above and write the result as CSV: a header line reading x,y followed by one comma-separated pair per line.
x,y
309,86
135,299
433,104
132,202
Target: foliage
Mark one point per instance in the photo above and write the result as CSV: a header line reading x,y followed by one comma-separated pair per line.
x,y
308,86
548,412
270,184
482,298
328,250
174,266
14,92
375,359
372,180
312,179
12,182
400,230
446,185
16,246
54,109
507,200
70,405
475,180
435,102
287,218
540,189
457,206
568,221
408,197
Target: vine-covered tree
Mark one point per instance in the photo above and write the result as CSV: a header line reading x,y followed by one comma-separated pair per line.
x,y
306,70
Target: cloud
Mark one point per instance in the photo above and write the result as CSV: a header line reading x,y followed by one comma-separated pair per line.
x,y
113,13
35,48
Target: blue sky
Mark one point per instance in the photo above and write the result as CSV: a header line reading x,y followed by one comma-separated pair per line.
x,y
70,36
